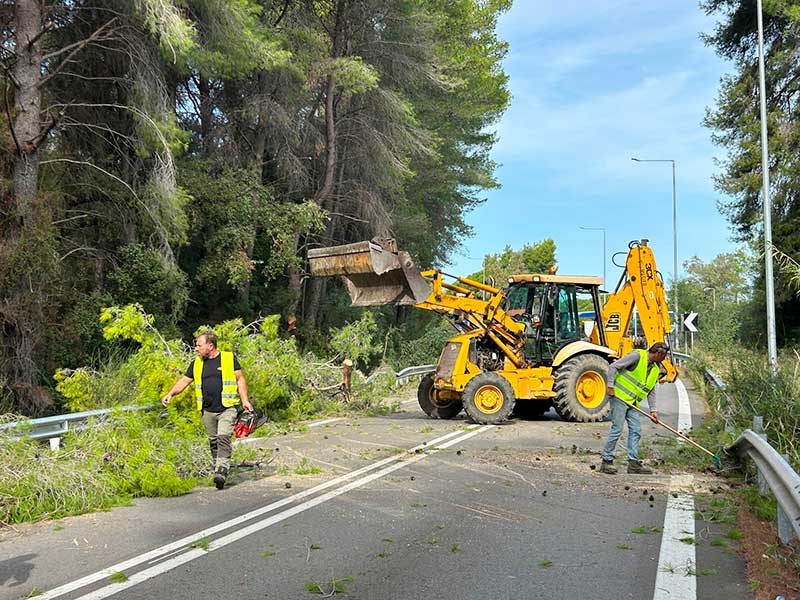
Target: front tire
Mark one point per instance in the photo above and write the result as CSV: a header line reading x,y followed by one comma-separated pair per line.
x,y
580,386
432,402
489,398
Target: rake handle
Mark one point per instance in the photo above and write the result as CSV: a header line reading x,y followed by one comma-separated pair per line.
x,y
675,431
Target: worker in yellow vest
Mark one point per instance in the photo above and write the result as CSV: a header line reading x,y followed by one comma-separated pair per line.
x,y
631,379
219,385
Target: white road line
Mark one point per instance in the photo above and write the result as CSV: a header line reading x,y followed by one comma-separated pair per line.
x,y
255,440
182,559
684,409
323,422
187,540
677,567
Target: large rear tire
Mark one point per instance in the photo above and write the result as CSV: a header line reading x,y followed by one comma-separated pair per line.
x,y
488,398
433,403
580,386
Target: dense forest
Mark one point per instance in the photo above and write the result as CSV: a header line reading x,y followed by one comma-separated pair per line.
x,y
735,125
185,154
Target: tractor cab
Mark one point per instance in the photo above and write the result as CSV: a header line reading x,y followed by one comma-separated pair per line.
x,y
551,307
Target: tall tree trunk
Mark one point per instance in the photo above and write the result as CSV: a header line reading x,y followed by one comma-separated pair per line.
x,y
260,136
330,143
22,312
317,287
206,114
27,104
295,282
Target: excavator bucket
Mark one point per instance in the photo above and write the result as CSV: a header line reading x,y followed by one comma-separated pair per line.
x,y
375,273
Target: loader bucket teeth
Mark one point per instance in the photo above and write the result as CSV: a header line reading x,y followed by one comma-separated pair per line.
x,y
375,273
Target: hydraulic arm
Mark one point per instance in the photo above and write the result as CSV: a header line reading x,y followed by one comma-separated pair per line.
x,y
641,288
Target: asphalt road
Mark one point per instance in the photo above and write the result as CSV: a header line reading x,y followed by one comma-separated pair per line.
x,y
402,507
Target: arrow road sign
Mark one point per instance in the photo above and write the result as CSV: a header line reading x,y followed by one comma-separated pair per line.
x,y
688,322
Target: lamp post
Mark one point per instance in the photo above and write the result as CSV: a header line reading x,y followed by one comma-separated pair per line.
x,y
603,229
674,240
713,296
772,347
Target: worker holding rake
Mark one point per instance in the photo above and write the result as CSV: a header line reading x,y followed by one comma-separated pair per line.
x,y
631,379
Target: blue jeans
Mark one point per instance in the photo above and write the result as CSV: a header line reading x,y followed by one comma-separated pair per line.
x,y
621,412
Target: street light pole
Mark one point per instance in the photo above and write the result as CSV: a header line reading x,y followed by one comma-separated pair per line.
x,y
603,229
772,346
713,296
674,242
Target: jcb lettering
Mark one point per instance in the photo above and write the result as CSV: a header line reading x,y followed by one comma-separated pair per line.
x,y
648,268
613,322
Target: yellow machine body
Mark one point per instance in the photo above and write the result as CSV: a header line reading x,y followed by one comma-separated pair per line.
x,y
530,355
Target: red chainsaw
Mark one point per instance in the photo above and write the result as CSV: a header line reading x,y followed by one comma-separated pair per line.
x,y
247,422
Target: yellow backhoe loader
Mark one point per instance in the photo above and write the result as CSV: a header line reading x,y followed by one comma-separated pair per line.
x,y
523,346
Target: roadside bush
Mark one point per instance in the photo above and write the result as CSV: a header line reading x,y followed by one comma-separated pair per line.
x,y
752,391
108,463
147,453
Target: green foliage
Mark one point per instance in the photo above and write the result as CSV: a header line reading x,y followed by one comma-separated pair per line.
x,y
238,89
337,586
230,212
356,341
202,543
164,20
281,380
234,39
532,258
142,378
425,349
724,279
752,391
145,278
764,507
735,125
734,534
350,73
123,456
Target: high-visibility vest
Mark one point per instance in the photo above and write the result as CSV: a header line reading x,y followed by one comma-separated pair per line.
x,y
633,386
230,391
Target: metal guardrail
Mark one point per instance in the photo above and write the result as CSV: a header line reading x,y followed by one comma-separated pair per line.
x,y
779,475
774,471
404,375
680,357
53,428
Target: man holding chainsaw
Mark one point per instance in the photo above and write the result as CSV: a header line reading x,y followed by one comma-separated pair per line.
x,y
631,379
219,386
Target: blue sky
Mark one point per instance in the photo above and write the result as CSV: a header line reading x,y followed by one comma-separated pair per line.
x,y
594,84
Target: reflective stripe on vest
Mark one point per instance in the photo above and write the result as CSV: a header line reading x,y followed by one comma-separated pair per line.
x,y
230,390
633,386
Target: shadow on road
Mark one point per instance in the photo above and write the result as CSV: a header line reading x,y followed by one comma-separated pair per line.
x,y
16,570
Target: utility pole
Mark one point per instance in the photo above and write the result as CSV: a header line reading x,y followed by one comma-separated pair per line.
x,y
772,346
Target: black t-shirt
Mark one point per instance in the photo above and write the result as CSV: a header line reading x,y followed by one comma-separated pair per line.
x,y
212,381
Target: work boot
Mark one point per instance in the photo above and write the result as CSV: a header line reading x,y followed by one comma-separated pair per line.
x,y
636,467
220,475
607,467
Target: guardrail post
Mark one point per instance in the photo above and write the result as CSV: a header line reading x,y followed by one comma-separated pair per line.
x,y
758,428
785,529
